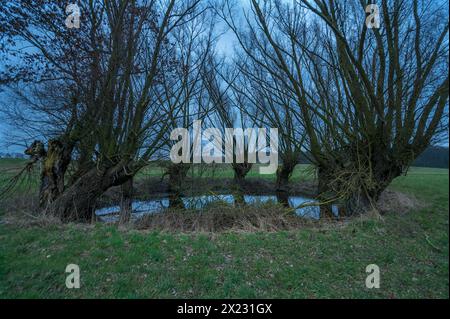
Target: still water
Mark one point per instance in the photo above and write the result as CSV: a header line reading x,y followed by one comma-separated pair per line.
x,y
157,205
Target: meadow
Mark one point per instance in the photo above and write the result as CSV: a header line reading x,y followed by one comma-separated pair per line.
x,y
327,260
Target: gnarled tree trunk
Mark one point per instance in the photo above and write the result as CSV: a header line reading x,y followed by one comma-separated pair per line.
x,y
78,201
126,201
324,194
54,164
283,198
284,173
177,174
240,171
359,176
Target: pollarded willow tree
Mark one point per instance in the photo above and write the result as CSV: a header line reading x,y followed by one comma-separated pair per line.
x,y
110,67
182,92
390,87
230,112
370,100
261,85
269,104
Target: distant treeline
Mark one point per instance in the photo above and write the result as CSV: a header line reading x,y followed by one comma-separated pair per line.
x,y
434,156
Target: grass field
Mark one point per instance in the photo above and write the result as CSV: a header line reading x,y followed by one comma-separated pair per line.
x,y
315,262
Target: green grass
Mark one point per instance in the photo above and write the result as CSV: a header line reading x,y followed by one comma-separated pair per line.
x,y
411,251
302,172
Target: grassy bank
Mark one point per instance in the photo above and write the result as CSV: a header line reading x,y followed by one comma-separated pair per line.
x,y
313,262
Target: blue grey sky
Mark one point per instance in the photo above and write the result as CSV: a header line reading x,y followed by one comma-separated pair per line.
x,y
225,46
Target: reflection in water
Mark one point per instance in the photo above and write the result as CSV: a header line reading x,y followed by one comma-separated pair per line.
x,y
198,202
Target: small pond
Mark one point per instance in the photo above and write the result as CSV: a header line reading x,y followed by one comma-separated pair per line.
x,y
157,205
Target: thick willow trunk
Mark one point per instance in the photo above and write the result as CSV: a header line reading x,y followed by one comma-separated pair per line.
x,y
54,164
239,198
175,200
326,211
126,201
240,172
283,198
361,196
177,174
284,173
77,202
383,173
324,193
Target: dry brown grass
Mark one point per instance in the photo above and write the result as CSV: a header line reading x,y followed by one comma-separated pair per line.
x,y
22,212
223,218
397,202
